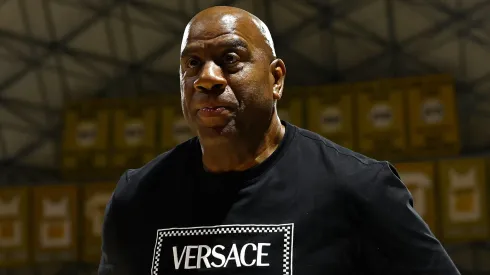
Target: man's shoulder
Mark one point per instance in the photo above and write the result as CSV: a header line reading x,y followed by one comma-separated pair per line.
x,y
168,165
347,166
334,159
333,150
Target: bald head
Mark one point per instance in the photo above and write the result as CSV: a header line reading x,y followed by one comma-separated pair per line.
x,y
228,19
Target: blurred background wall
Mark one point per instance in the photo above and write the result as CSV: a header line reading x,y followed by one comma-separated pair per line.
x,y
91,88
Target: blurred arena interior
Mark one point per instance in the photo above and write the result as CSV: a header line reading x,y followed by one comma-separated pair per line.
x,y
89,88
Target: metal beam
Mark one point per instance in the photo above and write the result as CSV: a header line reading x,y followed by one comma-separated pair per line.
x,y
128,34
56,46
13,50
176,14
53,47
72,52
61,70
21,114
427,33
7,58
333,12
29,106
326,14
24,129
138,67
468,22
143,6
392,37
41,83
464,34
31,147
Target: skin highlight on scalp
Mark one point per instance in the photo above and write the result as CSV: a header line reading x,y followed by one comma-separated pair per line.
x,y
266,33
234,12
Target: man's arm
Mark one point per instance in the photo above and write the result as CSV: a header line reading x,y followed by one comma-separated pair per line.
x,y
110,256
397,240
111,262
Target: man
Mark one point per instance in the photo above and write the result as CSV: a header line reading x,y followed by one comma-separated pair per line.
x,y
252,194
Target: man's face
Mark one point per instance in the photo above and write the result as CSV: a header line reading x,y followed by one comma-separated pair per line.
x,y
226,80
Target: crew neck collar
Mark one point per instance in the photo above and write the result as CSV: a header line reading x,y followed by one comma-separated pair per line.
x,y
255,171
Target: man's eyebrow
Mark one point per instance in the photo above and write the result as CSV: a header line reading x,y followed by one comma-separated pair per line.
x,y
232,43
190,49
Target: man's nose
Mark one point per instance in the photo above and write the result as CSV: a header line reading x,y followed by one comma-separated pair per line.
x,y
211,78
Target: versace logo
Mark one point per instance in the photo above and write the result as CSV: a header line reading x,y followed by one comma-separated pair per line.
x,y
226,249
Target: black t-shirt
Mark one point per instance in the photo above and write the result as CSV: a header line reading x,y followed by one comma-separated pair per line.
x,y
313,207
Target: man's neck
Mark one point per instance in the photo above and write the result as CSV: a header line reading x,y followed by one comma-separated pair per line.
x,y
236,157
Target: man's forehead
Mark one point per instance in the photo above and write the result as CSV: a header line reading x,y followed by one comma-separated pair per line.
x,y
207,28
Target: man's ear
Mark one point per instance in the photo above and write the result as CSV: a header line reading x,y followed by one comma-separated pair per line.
x,y
278,71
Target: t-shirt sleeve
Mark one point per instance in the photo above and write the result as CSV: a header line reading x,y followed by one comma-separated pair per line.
x,y
111,262
396,240
110,255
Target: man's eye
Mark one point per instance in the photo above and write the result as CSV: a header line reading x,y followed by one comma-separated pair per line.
x,y
192,63
231,58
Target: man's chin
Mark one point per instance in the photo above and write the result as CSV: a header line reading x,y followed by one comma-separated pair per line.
x,y
216,132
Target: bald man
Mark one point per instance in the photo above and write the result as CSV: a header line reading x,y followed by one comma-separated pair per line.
x,y
252,194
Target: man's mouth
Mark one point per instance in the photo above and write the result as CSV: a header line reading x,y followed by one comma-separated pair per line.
x,y
213,111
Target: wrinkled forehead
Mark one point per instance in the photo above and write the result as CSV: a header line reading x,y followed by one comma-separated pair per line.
x,y
206,28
